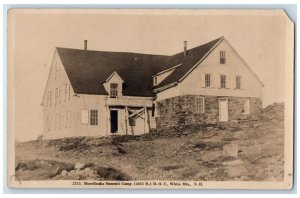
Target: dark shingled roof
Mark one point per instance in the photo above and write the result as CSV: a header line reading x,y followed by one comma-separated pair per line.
x,y
87,69
194,55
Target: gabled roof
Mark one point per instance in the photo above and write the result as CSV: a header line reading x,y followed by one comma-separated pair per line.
x,y
87,70
193,56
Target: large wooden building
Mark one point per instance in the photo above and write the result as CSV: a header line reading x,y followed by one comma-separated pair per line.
x,y
98,93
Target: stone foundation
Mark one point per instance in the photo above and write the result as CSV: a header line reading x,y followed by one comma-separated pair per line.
x,y
180,110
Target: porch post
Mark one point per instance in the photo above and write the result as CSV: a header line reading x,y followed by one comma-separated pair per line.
x,y
126,120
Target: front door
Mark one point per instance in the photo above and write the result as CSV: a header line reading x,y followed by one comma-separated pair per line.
x,y
114,121
223,110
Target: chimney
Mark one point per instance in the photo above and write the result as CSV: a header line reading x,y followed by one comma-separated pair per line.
x,y
184,48
85,44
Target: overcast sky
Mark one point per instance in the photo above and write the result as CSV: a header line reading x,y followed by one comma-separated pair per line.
x,y
259,39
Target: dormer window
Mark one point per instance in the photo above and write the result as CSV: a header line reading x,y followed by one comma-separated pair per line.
x,y
222,57
113,90
155,81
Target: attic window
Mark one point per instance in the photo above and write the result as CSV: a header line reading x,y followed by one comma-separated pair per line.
x,y
155,81
222,57
113,90
238,82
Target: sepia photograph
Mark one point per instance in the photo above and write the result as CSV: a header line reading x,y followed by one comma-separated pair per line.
x,y
141,98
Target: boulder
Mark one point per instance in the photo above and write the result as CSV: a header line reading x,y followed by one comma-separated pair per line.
x,y
64,173
231,150
54,171
233,163
236,171
79,166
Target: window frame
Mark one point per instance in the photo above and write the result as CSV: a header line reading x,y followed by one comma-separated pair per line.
x,y
114,90
56,96
223,80
238,82
155,80
93,117
222,57
200,107
207,81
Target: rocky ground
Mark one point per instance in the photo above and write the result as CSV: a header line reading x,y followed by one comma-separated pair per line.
x,y
243,150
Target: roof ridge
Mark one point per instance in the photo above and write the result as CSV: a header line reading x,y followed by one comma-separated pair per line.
x,y
120,52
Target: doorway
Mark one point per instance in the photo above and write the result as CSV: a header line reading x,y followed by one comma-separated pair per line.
x,y
114,121
223,110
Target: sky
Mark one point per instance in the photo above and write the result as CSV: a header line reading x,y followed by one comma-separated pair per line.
x,y
33,35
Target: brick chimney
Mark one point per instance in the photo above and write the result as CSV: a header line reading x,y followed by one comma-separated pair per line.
x,y
184,48
85,44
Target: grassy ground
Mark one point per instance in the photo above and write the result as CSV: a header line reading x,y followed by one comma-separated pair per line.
x,y
192,156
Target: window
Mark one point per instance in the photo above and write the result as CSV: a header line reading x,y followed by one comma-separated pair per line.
x,y
50,104
56,96
153,110
56,70
222,57
222,81
113,90
246,109
155,80
57,121
94,117
207,80
200,105
66,92
238,82
49,98
69,91
48,126
68,119
84,116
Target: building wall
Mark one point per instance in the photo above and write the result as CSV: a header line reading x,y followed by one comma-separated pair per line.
x,y
63,118
69,110
194,82
181,110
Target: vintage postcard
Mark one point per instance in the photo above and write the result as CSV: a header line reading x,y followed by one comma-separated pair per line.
x,y
172,99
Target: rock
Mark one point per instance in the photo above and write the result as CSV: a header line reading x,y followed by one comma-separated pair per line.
x,y
231,150
236,171
79,166
54,171
233,163
42,162
64,173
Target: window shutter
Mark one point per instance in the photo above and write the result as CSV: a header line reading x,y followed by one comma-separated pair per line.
x,y
247,107
219,81
242,83
202,80
228,82
84,116
68,91
58,95
212,80
69,118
